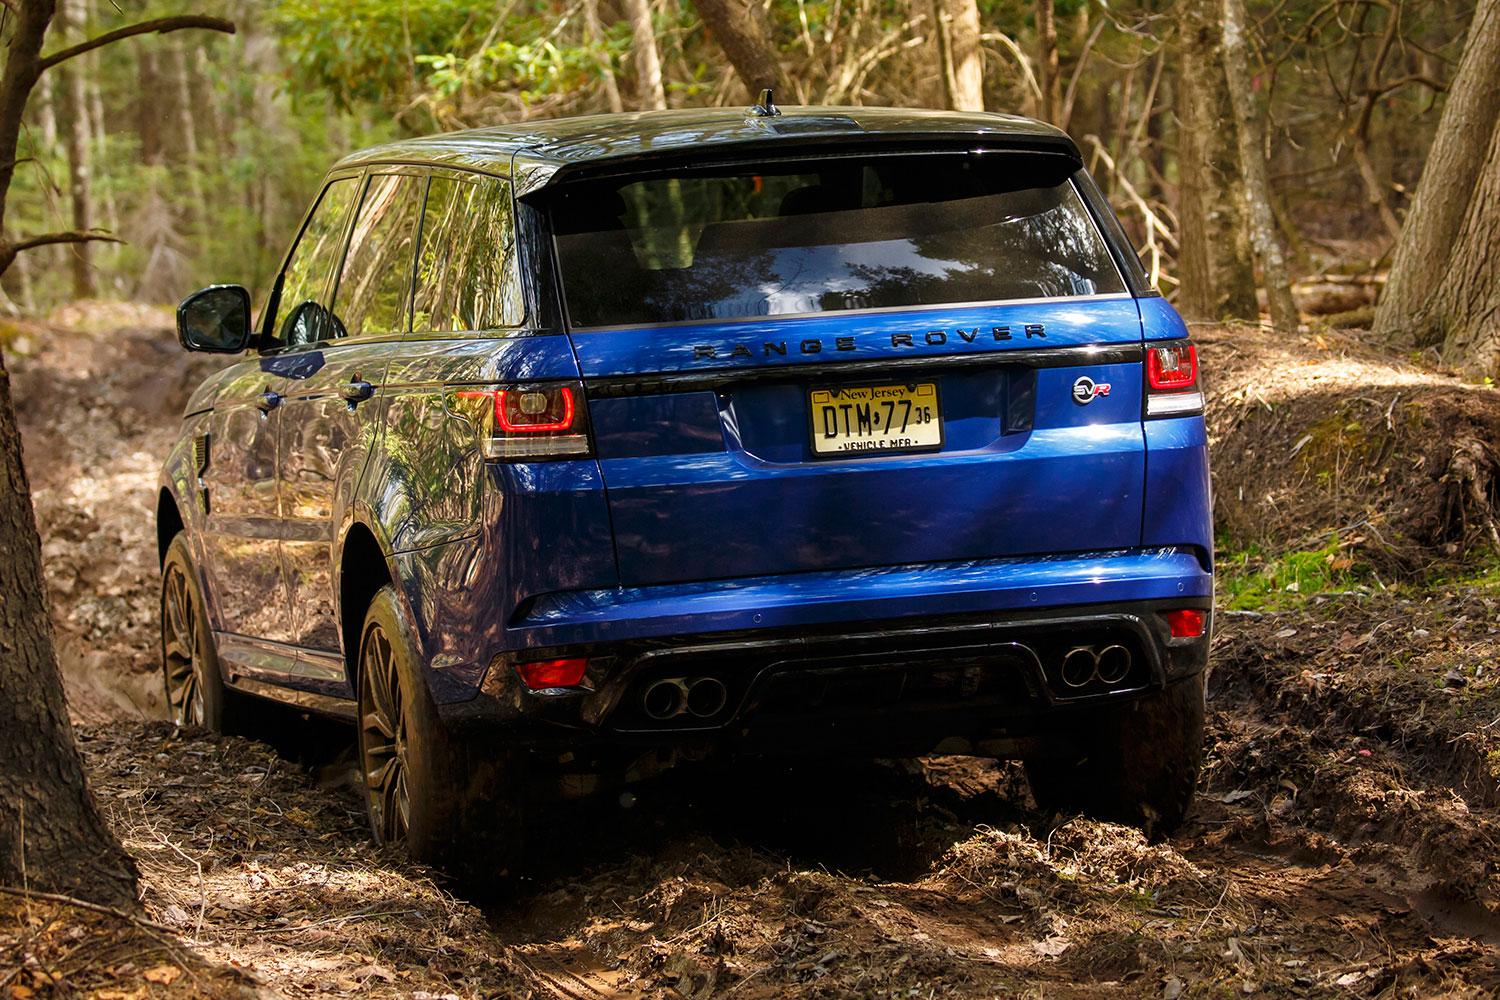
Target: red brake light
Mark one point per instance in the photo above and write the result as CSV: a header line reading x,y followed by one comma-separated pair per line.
x,y
542,674
1186,623
521,422
1172,380
547,410
1172,368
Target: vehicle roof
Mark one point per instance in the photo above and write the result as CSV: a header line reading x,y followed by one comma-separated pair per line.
x,y
540,149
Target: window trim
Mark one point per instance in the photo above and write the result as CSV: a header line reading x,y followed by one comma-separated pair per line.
x,y
527,311
273,303
370,173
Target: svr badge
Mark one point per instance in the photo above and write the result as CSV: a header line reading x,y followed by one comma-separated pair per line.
x,y
1085,390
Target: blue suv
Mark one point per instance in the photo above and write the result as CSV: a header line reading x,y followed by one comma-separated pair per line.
x,y
566,451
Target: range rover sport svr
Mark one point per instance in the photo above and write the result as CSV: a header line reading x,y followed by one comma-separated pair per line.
x,y
567,450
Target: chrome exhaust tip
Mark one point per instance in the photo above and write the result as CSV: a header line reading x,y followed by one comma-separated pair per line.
x,y
1114,664
1079,667
706,696
664,700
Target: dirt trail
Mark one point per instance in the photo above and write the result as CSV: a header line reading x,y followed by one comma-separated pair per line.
x,y
1345,842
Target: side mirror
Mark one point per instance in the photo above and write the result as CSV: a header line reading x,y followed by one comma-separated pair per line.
x,y
215,319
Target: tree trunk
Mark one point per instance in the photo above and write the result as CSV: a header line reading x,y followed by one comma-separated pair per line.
x,y
1265,238
148,105
187,128
51,835
593,32
1407,315
46,113
1465,298
75,102
650,94
1050,77
957,31
739,26
1214,262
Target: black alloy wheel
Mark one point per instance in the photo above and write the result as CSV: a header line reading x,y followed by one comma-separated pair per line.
x,y
182,662
382,737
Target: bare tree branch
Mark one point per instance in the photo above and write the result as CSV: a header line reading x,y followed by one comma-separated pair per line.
x,y
71,236
160,25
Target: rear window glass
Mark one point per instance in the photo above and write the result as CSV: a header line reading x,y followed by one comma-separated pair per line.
x,y
826,236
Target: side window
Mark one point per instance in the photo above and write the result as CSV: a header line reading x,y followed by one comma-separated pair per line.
x,y
374,286
467,275
302,315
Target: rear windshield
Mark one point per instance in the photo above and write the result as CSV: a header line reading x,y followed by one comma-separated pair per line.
x,y
826,236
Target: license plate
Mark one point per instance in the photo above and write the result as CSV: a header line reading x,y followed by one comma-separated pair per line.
x,y
875,418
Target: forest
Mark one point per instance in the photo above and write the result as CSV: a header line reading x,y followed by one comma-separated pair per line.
x,y
1314,185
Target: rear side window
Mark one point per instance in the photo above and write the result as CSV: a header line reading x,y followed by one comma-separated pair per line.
x,y
812,236
302,314
374,289
466,269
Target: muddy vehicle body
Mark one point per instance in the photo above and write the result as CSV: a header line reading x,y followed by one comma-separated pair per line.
x,y
566,450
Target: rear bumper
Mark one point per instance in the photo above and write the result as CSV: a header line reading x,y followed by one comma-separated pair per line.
x,y
967,681
877,594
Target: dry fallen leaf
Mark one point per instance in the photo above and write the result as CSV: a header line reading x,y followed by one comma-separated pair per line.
x,y
163,975
1052,946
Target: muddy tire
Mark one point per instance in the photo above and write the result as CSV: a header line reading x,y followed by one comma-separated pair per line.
x,y
455,803
194,687
1136,765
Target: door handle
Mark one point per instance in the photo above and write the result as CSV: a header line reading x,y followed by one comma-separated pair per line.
x,y
268,401
356,391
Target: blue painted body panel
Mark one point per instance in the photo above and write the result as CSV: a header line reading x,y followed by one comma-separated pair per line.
x,y
1159,321
880,594
715,484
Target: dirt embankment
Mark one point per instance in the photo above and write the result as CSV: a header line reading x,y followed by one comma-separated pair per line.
x,y
99,390
1344,843
1317,433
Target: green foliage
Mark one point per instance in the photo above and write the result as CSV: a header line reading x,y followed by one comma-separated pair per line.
x,y
1252,581
365,50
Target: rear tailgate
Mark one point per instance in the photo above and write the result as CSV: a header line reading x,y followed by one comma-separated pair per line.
x,y
705,435
750,333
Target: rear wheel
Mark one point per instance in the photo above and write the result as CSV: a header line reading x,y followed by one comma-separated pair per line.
x,y
456,803
190,664
1137,764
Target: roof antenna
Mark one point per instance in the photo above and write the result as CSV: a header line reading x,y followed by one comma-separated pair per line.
x,y
765,108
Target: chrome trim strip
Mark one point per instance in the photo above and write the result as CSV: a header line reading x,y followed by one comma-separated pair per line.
x,y
614,387
310,701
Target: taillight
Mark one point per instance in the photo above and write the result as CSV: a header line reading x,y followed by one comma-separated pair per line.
x,y
526,421
1186,623
544,674
1172,380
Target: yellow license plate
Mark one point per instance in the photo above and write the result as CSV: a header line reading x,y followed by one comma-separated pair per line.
x,y
875,418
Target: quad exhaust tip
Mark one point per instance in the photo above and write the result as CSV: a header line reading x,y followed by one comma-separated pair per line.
x,y
1084,665
700,697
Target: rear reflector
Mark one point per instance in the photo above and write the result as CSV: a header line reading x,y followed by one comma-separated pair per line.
x,y
1186,623
544,674
1177,404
